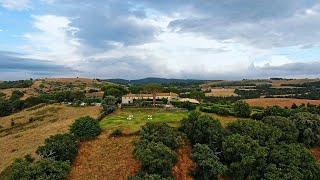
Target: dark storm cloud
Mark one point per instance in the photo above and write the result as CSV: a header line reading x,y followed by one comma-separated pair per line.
x,y
10,63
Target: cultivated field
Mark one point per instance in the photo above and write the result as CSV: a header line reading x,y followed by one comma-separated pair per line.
x,y
139,117
32,126
222,92
283,102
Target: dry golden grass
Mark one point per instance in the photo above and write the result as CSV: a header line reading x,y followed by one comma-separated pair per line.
x,y
72,80
105,158
33,126
282,102
221,92
27,92
278,83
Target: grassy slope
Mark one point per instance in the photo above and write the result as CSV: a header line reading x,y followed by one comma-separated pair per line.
x,y
25,137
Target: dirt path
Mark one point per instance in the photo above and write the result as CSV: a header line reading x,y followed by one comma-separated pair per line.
x,y
181,171
105,158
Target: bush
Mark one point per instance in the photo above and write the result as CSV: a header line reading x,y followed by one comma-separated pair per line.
x,y
161,132
203,129
257,130
242,109
116,133
60,147
289,130
277,111
208,165
309,128
43,169
156,158
148,177
85,128
185,105
246,159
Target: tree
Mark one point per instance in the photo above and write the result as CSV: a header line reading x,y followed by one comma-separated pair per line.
x,y
257,130
203,129
289,130
85,128
161,132
291,161
60,147
208,165
242,109
246,159
156,158
153,89
309,128
42,169
108,104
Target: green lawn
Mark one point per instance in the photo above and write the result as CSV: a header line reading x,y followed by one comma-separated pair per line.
x,y
119,119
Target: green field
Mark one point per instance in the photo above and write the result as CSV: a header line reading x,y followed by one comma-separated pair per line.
x,y
119,119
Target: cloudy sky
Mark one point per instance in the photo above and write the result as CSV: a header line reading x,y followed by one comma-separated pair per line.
x,y
202,39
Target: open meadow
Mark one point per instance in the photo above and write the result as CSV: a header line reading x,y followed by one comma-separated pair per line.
x,y
131,119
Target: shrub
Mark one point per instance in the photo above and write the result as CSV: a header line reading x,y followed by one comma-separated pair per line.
x,y
185,105
43,169
60,147
161,132
85,128
208,165
289,130
246,159
156,158
116,133
257,130
203,129
277,111
148,177
309,128
242,109
257,116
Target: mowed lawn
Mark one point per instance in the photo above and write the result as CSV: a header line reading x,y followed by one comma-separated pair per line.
x,y
139,116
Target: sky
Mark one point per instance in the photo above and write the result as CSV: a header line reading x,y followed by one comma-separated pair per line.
x,y
132,39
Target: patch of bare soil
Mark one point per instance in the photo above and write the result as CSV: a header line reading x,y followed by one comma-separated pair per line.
x,y
185,165
316,152
105,158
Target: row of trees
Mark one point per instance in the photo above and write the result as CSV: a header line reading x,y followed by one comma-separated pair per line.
x,y
57,153
239,109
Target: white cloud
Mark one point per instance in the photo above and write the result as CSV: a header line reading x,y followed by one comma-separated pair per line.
x,y
54,40
15,4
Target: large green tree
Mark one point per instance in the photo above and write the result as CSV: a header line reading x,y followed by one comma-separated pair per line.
x,y
153,89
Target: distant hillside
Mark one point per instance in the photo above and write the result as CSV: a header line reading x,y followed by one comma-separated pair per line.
x,y
158,81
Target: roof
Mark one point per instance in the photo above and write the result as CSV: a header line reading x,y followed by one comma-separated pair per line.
x,y
150,95
189,100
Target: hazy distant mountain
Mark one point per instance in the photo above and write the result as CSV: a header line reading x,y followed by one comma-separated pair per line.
x,y
157,80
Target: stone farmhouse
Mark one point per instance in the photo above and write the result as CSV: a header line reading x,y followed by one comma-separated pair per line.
x,y
128,99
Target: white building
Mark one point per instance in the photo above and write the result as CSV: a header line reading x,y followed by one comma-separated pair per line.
x,y
128,99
